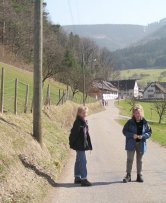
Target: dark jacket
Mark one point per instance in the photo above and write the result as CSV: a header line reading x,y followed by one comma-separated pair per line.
x,y
130,128
79,138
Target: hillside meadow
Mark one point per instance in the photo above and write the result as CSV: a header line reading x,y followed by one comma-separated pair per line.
x,y
25,77
144,75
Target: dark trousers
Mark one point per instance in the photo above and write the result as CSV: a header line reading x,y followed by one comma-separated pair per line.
x,y
80,169
130,159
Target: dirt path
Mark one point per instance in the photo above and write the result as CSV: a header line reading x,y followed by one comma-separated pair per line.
x,y
106,166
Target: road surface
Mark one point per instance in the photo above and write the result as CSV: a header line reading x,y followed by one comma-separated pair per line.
x,y
106,169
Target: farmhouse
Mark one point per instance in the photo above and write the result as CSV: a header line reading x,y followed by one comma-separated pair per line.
x,y
155,90
127,88
103,90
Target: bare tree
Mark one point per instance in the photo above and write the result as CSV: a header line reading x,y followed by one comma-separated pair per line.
x,y
107,71
160,108
53,58
132,102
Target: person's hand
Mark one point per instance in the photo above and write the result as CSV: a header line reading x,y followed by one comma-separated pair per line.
x,y
140,137
135,136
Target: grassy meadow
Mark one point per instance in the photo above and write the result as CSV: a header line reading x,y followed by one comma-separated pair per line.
x,y
145,75
26,77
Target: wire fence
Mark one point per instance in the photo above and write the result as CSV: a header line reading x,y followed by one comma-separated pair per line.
x,y
16,96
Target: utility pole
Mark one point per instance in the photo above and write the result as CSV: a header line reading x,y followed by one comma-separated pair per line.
x,y
38,52
118,91
3,30
83,74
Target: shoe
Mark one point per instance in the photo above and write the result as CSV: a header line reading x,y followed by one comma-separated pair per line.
x,y
140,178
77,180
85,183
127,178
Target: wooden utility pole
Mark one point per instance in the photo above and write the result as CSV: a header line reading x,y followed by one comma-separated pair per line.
x,y
83,74
38,52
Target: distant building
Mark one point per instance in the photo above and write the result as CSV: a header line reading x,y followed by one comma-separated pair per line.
x,y
127,88
155,90
103,90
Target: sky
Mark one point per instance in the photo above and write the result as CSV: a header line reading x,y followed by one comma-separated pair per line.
x,y
70,12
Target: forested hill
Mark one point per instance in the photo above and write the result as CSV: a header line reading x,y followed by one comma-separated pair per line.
x,y
149,52
62,52
110,36
114,36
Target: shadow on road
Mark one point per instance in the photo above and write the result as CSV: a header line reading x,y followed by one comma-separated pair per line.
x,y
72,185
50,180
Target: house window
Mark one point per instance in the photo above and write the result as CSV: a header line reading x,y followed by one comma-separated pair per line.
x,y
150,96
150,90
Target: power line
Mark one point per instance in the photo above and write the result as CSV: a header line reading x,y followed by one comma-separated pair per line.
x,y
71,12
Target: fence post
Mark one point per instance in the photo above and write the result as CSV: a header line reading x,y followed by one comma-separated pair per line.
x,y
67,93
63,97
32,106
26,99
48,95
59,94
2,91
15,96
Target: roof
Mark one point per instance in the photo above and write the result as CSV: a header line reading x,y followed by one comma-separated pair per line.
x,y
104,86
163,84
124,84
160,85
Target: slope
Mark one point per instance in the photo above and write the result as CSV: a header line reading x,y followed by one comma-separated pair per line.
x,y
28,171
25,77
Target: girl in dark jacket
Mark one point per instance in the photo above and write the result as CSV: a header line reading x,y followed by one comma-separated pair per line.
x,y
80,141
136,131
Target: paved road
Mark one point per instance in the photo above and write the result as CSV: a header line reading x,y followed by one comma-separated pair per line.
x,y
106,166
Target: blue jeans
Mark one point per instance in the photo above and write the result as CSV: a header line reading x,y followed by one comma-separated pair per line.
x,y
80,169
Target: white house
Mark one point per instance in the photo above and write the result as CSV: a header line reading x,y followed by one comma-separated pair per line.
x,y
155,90
127,88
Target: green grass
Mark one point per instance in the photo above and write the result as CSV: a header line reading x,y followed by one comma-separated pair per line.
x,y
145,75
159,130
150,114
159,133
25,77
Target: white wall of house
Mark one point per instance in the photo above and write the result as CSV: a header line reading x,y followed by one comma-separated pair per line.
x,y
151,93
110,96
136,90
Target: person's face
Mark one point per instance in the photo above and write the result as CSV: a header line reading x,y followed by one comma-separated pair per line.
x,y
83,114
137,115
